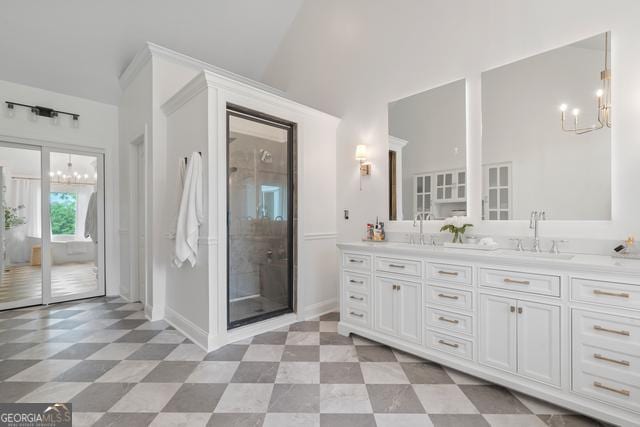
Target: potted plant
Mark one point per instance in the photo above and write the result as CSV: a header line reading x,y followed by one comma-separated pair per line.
x,y
456,225
12,217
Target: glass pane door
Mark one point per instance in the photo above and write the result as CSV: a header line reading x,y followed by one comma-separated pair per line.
x,y
75,245
260,216
20,226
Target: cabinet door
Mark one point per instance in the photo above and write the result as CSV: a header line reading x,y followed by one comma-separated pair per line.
x,y
384,305
408,311
497,336
539,341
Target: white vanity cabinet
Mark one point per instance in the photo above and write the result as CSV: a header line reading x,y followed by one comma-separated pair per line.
x,y
521,337
564,331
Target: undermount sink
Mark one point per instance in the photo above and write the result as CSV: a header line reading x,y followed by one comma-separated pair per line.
x,y
542,255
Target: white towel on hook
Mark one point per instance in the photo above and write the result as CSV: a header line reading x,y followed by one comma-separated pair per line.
x,y
190,215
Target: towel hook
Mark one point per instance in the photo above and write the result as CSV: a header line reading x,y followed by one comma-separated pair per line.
x,y
186,158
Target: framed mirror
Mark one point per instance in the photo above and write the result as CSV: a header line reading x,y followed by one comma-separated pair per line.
x,y
546,137
427,154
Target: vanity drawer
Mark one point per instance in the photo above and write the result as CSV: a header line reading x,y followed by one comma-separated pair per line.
x,y
356,297
446,297
454,322
461,274
449,344
611,364
622,393
521,282
356,315
358,281
601,292
616,333
356,261
400,266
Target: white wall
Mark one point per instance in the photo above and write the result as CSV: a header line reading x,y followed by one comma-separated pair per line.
x,y
98,128
566,175
434,123
352,58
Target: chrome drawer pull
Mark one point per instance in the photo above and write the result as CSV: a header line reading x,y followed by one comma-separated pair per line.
x,y
396,266
605,358
518,282
612,331
443,342
448,296
444,319
611,294
359,282
356,314
359,261
356,298
615,390
448,273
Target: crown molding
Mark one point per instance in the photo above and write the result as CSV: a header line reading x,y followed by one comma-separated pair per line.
x,y
135,66
195,86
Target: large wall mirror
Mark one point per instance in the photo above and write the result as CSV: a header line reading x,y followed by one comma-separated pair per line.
x,y
532,160
427,154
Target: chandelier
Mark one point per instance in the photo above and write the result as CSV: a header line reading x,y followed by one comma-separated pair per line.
x,y
70,176
603,96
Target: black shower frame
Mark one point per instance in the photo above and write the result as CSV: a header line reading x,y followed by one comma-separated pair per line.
x,y
290,127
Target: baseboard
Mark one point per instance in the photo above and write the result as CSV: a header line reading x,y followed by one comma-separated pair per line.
x,y
318,309
183,325
148,311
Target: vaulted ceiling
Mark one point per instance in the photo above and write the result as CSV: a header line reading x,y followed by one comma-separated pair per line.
x,y
80,47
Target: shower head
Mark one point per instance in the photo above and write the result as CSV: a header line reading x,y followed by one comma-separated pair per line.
x,y
233,169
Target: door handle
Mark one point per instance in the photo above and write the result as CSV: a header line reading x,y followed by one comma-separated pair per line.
x,y
518,282
356,298
396,266
607,359
448,273
512,309
443,342
359,282
448,296
444,319
615,390
520,310
356,314
611,331
611,294
359,261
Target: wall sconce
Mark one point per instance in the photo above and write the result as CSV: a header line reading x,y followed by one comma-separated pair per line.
x,y
37,111
361,156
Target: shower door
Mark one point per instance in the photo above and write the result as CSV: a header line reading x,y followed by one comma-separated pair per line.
x,y
260,216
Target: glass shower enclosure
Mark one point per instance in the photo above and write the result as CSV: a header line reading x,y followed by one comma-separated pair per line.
x,y
260,216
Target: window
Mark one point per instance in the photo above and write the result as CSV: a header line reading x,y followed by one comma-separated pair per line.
x,y
64,207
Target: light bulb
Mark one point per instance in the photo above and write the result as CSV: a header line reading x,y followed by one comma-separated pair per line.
x,y
599,93
95,176
86,175
75,173
563,107
575,112
59,173
11,110
51,174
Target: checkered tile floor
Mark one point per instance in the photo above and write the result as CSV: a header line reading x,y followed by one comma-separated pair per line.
x,y
119,369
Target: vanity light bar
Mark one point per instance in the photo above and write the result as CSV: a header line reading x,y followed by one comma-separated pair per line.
x,y
42,111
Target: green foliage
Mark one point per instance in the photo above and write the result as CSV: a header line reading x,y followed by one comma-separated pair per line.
x,y
456,230
63,208
12,217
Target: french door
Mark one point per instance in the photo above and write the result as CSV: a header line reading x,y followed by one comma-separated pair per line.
x,y
52,227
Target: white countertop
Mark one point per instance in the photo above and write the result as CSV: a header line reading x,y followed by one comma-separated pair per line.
x,y
566,261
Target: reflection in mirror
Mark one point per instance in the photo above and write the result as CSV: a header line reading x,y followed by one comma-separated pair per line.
x,y
530,160
427,154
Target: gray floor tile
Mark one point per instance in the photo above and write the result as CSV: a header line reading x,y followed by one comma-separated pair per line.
x,y
305,327
256,372
72,336
116,314
375,354
245,398
87,370
126,324
391,398
65,324
13,391
236,420
79,351
229,353
332,338
426,373
114,419
344,399
276,338
458,420
333,317
403,420
152,352
12,334
493,399
570,421
340,373
295,398
9,368
100,397
301,353
351,420
9,349
195,398
13,323
63,314
170,372
138,336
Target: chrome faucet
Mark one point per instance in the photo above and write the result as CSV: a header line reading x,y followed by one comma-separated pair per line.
x,y
419,216
535,226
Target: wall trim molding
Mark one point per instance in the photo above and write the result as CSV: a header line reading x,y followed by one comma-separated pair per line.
x,y
192,331
318,309
135,66
321,236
